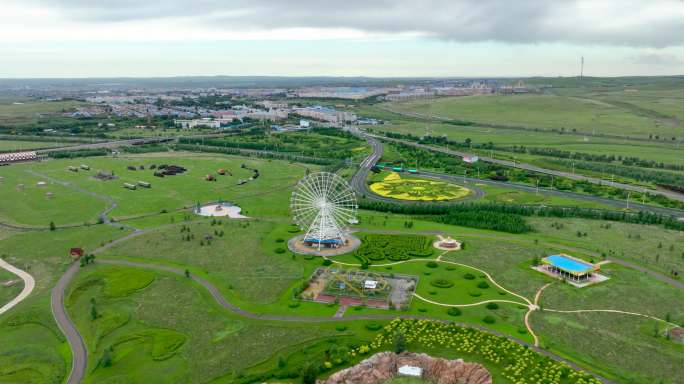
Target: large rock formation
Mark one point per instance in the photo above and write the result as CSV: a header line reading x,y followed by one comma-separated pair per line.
x,y
383,366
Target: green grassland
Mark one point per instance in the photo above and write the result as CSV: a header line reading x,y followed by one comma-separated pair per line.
x,y
7,293
319,142
149,324
20,145
32,348
265,195
545,112
185,339
594,337
662,151
31,111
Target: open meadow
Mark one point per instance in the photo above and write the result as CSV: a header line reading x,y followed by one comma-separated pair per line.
x,y
176,294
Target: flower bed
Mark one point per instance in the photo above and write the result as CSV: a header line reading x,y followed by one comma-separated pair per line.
x,y
518,363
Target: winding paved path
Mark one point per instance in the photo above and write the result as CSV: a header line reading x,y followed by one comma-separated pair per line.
x,y
29,284
221,300
79,353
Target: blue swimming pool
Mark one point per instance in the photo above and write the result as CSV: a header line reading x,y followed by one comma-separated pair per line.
x,y
567,264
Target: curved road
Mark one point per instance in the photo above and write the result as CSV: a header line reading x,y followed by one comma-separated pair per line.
x,y
358,183
221,300
29,284
533,168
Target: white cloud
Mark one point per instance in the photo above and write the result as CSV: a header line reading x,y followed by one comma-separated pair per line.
x,y
654,23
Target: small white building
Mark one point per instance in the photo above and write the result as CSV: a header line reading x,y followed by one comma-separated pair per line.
x,y
304,123
409,370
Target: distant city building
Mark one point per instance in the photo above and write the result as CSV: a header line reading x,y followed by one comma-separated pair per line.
x,y
326,114
197,123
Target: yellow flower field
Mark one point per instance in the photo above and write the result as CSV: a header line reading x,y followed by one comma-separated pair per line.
x,y
394,186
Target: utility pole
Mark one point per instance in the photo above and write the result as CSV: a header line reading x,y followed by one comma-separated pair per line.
x,y
573,167
628,193
537,186
464,175
582,68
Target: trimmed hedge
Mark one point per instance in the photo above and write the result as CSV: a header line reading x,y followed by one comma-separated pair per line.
x,y
441,283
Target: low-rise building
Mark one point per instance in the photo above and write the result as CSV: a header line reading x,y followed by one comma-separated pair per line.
x,y
326,114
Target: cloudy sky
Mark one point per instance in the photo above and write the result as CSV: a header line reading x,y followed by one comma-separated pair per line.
x,y
85,38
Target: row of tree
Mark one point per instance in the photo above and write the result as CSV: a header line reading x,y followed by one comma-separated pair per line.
x,y
430,209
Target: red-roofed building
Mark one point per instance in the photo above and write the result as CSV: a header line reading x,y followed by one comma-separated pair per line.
x,y
76,253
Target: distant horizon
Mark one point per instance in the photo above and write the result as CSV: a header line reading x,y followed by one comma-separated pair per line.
x,y
339,77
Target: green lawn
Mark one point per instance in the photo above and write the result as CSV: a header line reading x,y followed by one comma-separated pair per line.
x,y
32,348
21,145
546,112
266,195
29,110
7,293
155,325
164,325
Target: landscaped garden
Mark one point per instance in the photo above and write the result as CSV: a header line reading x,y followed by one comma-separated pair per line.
x,y
404,188
140,323
391,248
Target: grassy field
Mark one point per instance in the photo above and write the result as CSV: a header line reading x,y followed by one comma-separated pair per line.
x,y
545,112
139,334
602,334
667,152
20,145
7,293
31,111
266,195
146,324
32,348
656,248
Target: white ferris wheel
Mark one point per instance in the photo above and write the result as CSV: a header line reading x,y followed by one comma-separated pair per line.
x,y
323,204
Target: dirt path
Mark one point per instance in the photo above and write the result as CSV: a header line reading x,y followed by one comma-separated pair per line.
x,y
467,305
613,311
29,284
534,307
221,300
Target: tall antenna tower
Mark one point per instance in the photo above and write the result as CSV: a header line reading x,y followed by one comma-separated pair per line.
x,y
582,68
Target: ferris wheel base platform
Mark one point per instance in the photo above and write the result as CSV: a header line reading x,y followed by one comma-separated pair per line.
x,y
330,247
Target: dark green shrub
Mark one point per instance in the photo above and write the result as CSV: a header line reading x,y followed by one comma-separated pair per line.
x,y
453,311
327,262
373,326
469,276
475,293
431,264
280,250
492,306
441,283
489,319
341,328
483,285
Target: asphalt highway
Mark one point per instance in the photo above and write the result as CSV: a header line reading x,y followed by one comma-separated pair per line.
x,y
358,182
533,168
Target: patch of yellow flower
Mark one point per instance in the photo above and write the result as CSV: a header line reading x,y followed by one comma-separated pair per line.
x,y
393,186
519,364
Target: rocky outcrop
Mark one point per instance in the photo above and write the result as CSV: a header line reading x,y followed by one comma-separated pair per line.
x,y
383,366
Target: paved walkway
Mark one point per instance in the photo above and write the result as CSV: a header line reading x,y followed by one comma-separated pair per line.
x,y
79,353
221,300
29,284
